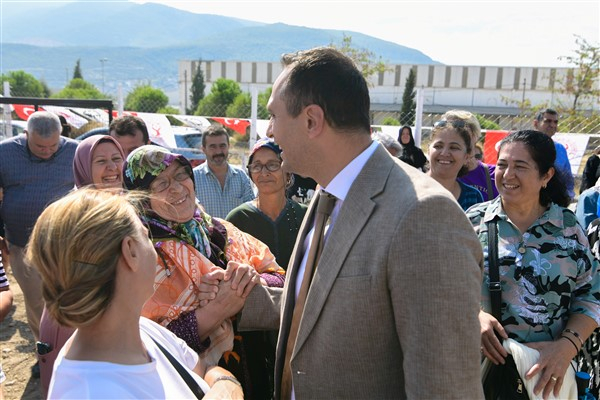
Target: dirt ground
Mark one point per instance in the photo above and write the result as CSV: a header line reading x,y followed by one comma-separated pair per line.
x,y
17,350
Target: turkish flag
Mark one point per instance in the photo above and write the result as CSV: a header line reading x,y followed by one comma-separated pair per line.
x,y
24,111
238,125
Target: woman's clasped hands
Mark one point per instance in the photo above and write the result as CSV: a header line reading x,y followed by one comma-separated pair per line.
x,y
237,281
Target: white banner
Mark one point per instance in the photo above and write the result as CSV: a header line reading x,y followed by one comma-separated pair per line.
x,y
575,145
159,129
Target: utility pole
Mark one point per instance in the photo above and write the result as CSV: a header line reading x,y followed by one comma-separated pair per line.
x,y
102,61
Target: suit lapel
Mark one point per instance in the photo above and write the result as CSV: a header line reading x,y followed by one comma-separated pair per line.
x,y
354,215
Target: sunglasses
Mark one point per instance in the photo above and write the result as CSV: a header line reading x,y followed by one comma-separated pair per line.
x,y
456,124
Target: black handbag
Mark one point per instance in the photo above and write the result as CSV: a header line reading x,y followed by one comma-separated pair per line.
x,y
500,382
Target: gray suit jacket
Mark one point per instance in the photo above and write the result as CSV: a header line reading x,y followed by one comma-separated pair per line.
x,y
392,311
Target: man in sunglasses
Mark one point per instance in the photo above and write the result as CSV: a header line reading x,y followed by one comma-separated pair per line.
x,y
546,121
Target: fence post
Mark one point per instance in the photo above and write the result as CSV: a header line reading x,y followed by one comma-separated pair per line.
x,y
419,116
7,127
253,116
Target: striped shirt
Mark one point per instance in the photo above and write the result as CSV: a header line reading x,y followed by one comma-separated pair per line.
x,y
3,278
217,201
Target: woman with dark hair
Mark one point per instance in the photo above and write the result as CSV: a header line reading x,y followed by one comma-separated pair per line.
x,y
449,153
550,288
410,153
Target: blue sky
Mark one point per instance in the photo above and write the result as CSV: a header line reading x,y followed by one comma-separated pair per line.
x,y
482,32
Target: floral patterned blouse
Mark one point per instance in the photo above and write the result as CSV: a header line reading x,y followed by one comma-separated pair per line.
x,y
547,273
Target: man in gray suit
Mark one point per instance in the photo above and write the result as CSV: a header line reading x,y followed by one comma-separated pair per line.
x,y
392,307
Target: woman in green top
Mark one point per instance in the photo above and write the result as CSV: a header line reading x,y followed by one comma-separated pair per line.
x,y
275,220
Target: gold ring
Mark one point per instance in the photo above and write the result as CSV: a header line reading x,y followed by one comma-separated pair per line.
x,y
554,378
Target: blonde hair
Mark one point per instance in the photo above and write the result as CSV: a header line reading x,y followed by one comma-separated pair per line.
x,y
471,123
75,244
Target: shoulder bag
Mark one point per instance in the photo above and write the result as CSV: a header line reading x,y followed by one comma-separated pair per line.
x,y
500,382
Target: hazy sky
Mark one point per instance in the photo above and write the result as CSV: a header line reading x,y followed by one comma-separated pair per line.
x,y
482,32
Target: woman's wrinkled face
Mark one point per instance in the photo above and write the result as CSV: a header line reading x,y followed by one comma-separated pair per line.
x,y
447,153
517,175
172,194
107,164
268,181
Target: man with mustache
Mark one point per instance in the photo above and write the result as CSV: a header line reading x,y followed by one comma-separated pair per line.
x,y
220,187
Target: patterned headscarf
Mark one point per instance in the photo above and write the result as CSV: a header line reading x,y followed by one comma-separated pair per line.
x,y
82,162
145,164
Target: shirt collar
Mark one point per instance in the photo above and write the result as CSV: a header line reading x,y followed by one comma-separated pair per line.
x,y
341,183
553,215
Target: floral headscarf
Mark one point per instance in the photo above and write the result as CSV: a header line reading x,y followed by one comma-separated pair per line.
x,y
145,164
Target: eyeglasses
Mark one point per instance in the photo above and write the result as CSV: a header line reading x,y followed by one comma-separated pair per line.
x,y
161,184
456,123
271,166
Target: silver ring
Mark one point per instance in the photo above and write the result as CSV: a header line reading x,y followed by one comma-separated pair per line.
x,y
554,378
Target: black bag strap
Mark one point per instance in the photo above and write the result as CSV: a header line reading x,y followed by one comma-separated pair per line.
x,y
494,273
189,380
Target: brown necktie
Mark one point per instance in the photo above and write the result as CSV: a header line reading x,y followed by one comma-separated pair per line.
x,y
325,205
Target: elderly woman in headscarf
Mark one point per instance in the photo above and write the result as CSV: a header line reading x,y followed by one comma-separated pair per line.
x,y
97,163
189,244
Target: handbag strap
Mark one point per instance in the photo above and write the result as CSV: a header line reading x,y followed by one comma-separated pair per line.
x,y
494,273
189,380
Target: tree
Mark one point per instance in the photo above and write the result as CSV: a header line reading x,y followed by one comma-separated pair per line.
x,y
77,71
79,89
409,106
23,84
222,94
145,98
580,83
366,61
242,106
197,90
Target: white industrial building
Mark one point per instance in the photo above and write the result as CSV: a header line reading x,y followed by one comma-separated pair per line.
x,y
485,90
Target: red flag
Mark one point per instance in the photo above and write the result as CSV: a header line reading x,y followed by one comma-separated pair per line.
x,y
490,154
24,111
238,125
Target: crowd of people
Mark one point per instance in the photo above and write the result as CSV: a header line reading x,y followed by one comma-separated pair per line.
x,y
341,263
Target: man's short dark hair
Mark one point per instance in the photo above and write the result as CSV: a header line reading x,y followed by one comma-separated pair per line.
x,y
326,77
540,114
213,131
127,125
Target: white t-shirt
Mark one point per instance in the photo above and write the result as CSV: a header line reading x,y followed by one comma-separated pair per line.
x,y
72,379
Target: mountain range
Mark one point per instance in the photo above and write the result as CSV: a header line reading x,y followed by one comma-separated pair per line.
x,y
125,43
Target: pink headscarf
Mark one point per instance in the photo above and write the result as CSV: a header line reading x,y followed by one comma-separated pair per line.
x,y
82,163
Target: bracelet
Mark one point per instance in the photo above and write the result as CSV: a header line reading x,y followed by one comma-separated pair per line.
x,y
572,342
575,334
227,378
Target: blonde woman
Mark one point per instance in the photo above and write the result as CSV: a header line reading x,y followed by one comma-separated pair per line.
x,y
98,266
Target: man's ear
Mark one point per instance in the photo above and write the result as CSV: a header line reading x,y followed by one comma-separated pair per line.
x,y
130,253
315,119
